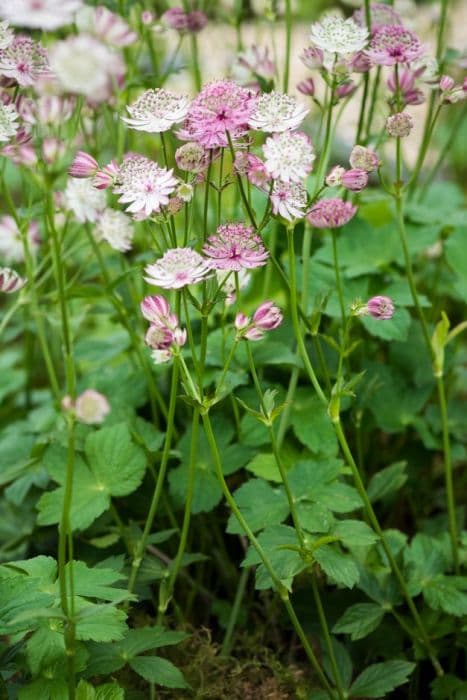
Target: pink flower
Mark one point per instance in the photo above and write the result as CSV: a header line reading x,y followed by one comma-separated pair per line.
x,y
306,87
288,156
39,14
144,185
177,268
10,281
156,310
399,125
107,177
107,25
252,64
11,245
266,318
331,213
289,200
192,157
364,159
24,60
159,337
355,180
197,20
380,15
84,165
221,107
91,407
392,43
334,178
235,247
256,172
163,335
380,307
312,57
176,18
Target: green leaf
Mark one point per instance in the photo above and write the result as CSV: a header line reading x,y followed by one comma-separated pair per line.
x,y
264,465
261,504
96,583
137,641
21,596
286,563
312,425
387,481
99,623
359,620
45,689
354,533
379,679
159,671
340,568
447,593
107,691
396,328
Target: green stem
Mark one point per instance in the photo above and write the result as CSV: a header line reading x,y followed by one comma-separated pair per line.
x,y
340,291
327,636
373,100
234,613
246,204
288,40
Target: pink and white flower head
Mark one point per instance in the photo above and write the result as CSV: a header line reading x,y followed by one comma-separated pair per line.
x,y
11,244
331,213
275,112
84,165
364,159
159,337
252,64
107,177
6,35
288,156
156,111
392,43
176,18
10,281
177,268
380,307
289,200
266,318
91,407
312,57
235,247
20,151
39,14
106,25
399,125
156,309
144,185
24,61
253,167
116,228
359,63
221,107
355,179
380,14
192,157
409,92
53,150
86,66
334,178
8,124
53,109
85,201
335,35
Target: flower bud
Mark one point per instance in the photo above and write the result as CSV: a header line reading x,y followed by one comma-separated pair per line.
x,y
360,63
241,321
346,89
155,307
52,150
380,307
147,17
364,159
399,125
10,281
185,192
191,157
334,179
180,337
312,57
306,87
268,316
84,165
355,180
158,337
197,20
446,83
91,407
107,176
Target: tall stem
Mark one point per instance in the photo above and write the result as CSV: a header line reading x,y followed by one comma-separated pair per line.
x,y
288,39
340,291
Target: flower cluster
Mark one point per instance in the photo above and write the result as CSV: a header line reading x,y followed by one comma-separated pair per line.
x,y
391,44
183,22
331,213
267,317
380,307
45,14
288,156
334,35
164,336
235,247
25,61
177,268
144,185
275,112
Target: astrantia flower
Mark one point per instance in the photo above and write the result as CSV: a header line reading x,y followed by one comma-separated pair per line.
x,y
84,200
11,245
39,14
276,112
91,407
336,35
235,247
391,44
355,180
331,213
192,157
226,280
221,107
380,307
159,337
157,110
10,281
334,177
364,158
116,228
177,268
289,200
8,124
144,185
24,60
86,66
267,317
106,25
288,156
399,125
6,35
84,165
379,14
156,309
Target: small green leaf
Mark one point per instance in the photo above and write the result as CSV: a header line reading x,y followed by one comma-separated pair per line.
x,y
354,533
340,568
387,481
261,504
359,620
379,679
154,669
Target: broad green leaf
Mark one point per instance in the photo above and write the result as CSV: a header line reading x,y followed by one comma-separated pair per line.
x,y
272,352
261,504
286,563
21,596
137,641
395,328
343,660
264,465
312,425
340,568
96,583
448,687
354,533
45,646
99,623
359,620
387,481
159,671
379,679
45,689
447,593
107,691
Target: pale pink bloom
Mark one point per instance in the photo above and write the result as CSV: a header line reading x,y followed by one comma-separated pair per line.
x,y
289,200
159,337
106,25
157,110
192,157
161,356
147,17
39,14
235,247
355,180
275,112
53,109
252,64
24,61
10,281
116,228
11,244
86,66
221,107
334,178
52,150
164,333
266,318
331,213
359,63
177,268
392,43
399,125
288,156
241,321
306,87
6,35
144,185
107,177
364,159
346,89
156,309
380,14
20,151
91,407
335,35
85,201
312,57
446,83
8,124
380,307
411,95
256,172
84,165
176,18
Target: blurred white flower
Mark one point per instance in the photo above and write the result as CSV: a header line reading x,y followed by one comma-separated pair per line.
x,y
84,200
39,14
116,229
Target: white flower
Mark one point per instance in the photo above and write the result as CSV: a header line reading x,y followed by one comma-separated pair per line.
x,y
288,156
116,229
84,200
86,66
289,200
161,356
337,35
106,25
11,244
275,112
39,14
91,407
157,110
8,125
177,268
144,185
6,35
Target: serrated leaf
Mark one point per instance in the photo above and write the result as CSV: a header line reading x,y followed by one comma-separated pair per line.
x,y
285,562
354,533
160,671
379,679
261,504
338,566
359,620
99,623
312,425
447,593
107,691
387,481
